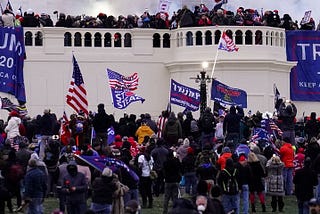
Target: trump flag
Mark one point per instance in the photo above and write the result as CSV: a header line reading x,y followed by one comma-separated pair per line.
x,y
228,95
184,96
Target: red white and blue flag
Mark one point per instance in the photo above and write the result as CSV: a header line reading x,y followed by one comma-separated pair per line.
x,y
227,44
77,94
122,89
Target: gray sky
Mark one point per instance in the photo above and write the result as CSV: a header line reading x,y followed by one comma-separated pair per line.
x,y
295,8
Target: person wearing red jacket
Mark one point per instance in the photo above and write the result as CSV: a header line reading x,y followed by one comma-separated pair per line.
x,y
287,157
226,154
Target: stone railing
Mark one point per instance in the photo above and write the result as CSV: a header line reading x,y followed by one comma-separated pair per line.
x,y
128,38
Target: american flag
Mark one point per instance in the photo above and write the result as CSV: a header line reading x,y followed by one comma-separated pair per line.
x,y
122,83
77,94
271,127
227,44
8,105
65,118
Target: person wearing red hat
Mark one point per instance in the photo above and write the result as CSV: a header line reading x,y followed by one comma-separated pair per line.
x,y
12,128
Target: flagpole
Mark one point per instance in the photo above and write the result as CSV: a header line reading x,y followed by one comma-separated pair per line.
x,y
214,66
216,57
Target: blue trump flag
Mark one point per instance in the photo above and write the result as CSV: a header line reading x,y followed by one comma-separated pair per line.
x,y
12,53
304,47
100,163
227,95
184,96
122,89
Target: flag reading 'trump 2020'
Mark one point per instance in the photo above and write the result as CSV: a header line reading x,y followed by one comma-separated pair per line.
x,y
184,96
11,62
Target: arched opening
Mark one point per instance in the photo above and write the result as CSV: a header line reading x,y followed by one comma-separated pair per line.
x,y
258,37
107,40
189,38
166,40
217,35
28,38
248,38
198,38
156,40
239,37
208,38
97,40
77,40
38,39
127,40
67,39
229,34
117,40
87,40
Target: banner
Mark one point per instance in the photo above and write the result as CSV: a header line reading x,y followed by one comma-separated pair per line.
x,y
306,17
12,54
121,89
100,163
304,47
184,96
228,95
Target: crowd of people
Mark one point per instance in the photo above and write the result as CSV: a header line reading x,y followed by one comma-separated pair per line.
x,y
220,159
201,15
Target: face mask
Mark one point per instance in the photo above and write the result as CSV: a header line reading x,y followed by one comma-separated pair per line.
x,y
201,208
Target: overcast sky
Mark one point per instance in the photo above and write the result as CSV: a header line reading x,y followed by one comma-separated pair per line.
x,y
295,8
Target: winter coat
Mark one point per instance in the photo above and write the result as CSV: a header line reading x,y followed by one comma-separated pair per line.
x,y
257,173
287,115
8,19
101,122
287,155
231,123
188,163
305,180
186,18
80,182
35,184
12,129
118,203
172,170
102,190
275,184
143,131
172,129
223,159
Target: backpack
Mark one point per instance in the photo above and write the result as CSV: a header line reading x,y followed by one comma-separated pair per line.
x,y
52,151
15,173
205,157
230,186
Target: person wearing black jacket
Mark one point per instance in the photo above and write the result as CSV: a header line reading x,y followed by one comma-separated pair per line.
x,y
172,177
305,180
189,172
103,188
101,122
231,125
